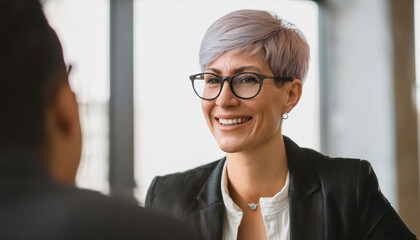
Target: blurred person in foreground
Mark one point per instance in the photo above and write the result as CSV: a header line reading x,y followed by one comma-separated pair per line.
x,y
267,187
40,146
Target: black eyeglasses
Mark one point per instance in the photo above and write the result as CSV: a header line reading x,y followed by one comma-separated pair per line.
x,y
244,85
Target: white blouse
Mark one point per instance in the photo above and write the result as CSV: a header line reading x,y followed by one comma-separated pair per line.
x,y
274,210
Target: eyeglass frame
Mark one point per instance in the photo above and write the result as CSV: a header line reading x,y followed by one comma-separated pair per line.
x,y
229,79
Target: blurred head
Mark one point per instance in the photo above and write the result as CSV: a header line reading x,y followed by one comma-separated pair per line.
x,y
282,44
38,110
257,42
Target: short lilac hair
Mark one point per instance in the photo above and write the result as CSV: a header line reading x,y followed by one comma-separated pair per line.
x,y
282,44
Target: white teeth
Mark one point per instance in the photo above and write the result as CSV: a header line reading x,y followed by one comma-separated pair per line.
x,y
233,121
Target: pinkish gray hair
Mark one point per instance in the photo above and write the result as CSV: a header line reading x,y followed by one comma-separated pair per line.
x,y
282,44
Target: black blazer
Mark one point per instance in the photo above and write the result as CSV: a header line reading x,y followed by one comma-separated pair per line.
x,y
329,198
32,206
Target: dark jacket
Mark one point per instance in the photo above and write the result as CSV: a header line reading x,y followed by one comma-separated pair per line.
x,y
329,198
32,206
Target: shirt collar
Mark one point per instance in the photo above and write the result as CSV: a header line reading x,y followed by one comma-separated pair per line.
x,y
274,203
231,207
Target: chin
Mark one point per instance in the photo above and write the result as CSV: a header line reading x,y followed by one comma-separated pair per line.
x,y
228,147
227,150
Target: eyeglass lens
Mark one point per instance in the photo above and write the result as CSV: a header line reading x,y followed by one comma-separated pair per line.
x,y
244,85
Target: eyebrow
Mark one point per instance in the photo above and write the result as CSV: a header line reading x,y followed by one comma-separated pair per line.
x,y
237,70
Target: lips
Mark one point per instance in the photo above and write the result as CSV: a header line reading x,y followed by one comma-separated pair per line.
x,y
233,121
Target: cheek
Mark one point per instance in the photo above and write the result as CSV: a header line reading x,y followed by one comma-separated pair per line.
x,y
269,112
206,107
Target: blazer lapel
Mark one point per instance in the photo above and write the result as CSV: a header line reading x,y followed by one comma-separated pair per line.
x,y
210,221
209,215
306,216
306,201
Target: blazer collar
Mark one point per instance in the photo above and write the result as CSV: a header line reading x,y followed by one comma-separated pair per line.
x,y
211,193
210,211
306,204
303,178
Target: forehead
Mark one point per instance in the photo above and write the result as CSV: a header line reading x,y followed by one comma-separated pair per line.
x,y
232,61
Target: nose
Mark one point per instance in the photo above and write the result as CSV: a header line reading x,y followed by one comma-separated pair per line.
x,y
226,98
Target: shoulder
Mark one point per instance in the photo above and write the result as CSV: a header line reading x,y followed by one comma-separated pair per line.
x,y
354,176
350,187
58,212
95,215
331,170
310,169
177,192
338,178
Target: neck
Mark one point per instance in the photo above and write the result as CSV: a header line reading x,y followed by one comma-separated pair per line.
x,y
258,173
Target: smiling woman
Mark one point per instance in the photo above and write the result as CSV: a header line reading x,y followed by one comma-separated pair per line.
x,y
167,113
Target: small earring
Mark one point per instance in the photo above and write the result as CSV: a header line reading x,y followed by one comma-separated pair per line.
x,y
285,116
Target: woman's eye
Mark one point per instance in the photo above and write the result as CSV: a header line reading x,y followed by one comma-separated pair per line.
x,y
247,80
212,81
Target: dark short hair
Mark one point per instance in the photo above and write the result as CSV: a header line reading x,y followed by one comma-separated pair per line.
x,y
30,54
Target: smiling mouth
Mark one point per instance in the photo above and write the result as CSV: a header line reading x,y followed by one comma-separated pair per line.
x,y
234,121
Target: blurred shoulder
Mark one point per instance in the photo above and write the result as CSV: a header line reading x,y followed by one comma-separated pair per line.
x,y
114,218
59,212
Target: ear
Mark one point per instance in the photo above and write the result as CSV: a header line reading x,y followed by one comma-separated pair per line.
x,y
66,109
293,94
64,135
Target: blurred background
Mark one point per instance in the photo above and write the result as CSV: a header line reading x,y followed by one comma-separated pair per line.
x,y
140,117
